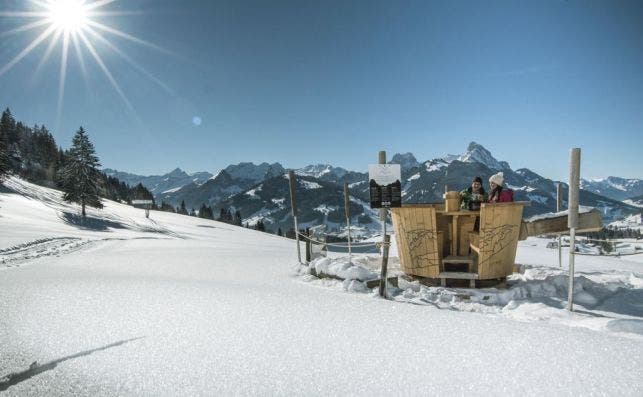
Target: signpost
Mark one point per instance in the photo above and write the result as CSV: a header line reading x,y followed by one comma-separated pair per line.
x,y
385,192
293,203
559,207
347,209
572,217
145,204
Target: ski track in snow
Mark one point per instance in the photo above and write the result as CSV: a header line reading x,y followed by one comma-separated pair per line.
x,y
54,246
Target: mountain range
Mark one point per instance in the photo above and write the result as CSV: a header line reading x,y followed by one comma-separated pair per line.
x,y
262,192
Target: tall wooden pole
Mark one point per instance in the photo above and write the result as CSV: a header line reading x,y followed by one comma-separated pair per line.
x,y
347,208
293,203
559,207
385,240
572,218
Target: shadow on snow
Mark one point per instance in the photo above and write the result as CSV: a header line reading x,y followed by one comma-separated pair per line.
x,y
34,369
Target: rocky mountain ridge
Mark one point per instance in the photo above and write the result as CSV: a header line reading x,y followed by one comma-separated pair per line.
x,y
261,191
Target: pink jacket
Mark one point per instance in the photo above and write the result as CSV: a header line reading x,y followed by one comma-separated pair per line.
x,y
505,196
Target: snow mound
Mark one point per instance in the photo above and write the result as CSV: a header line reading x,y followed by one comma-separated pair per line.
x,y
604,301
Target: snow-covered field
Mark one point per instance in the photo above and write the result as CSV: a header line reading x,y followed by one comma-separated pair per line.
x,y
174,305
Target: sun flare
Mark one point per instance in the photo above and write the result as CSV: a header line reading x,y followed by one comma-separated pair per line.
x,y
68,15
74,26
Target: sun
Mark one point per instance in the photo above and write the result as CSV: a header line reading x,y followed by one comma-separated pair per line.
x,y
74,26
68,15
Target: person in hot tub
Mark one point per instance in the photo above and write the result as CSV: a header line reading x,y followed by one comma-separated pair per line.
x,y
499,194
473,196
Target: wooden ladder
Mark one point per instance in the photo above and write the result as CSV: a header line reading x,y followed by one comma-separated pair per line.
x,y
459,260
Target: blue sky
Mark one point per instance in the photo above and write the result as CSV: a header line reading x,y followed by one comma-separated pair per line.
x,y
301,82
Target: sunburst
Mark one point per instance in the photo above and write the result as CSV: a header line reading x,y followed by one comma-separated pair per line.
x,y
73,25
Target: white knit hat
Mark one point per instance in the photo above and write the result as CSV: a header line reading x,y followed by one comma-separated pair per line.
x,y
498,178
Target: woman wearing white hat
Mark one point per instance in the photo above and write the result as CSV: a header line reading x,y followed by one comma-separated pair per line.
x,y
499,194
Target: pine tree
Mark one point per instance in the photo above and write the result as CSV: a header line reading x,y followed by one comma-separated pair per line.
x,y
279,232
237,218
166,207
7,129
182,209
260,226
80,174
202,211
4,156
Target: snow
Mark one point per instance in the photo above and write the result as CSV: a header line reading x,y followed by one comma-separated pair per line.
x,y
176,189
523,188
325,209
632,222
119,304
216,174
414,177
537,197
310,185
435,165
253,192
634,203
319,170
581,210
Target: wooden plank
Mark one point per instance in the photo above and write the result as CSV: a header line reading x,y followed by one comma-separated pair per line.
x,y
459,275
417,239
499,230
458,259
466,226
587,222
454,235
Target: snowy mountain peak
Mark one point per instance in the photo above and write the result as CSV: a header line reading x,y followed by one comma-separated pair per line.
x,y
406,160
222,177
319,170
177,172
478,153
256,173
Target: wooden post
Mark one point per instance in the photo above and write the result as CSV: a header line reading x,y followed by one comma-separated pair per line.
x,y
572,218
293,203
383,280
385,239
347,209
309,247
559,207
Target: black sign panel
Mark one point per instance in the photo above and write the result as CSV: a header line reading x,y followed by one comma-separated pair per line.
x,y
385,186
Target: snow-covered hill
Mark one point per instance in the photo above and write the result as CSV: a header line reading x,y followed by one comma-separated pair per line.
x,y
635,201
117,304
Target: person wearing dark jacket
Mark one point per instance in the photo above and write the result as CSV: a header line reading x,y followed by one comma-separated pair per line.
x,y
499,194
473,196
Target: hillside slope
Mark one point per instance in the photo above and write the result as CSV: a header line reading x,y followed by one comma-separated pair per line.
x,y
175,305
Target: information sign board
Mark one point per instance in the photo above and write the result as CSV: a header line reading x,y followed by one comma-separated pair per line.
x,y
385,185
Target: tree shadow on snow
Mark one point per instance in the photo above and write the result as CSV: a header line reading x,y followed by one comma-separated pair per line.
x,y
89,223
34,369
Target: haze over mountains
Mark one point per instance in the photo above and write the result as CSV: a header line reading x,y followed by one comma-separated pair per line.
x,y
261,191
